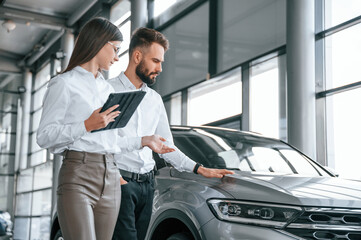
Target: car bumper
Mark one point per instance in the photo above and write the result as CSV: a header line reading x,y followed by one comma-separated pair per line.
x,y
220,230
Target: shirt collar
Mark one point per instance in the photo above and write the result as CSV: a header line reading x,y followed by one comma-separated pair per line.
x,y
84,71
128,84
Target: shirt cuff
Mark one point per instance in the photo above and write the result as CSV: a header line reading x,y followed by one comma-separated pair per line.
x,y
189,165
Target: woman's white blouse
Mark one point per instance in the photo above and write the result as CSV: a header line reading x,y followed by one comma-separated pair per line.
x,y
70,99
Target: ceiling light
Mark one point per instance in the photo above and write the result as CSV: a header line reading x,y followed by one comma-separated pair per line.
x,y
9,25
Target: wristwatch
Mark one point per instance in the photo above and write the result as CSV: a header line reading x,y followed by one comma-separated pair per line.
x,y
195,170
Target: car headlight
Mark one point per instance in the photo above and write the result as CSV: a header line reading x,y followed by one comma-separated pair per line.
x,y
270,215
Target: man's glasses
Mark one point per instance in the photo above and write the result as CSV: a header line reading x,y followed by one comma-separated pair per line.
x,y
117,49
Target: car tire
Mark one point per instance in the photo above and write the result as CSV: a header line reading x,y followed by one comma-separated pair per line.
x,y
58,235
181,236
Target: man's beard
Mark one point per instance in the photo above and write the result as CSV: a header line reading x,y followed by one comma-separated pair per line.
x,y
141,72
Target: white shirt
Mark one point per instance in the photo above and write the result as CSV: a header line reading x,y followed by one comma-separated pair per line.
x,y
149,118
70,99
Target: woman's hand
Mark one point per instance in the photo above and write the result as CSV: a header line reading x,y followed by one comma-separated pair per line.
x,y
155,143
100,120
213,173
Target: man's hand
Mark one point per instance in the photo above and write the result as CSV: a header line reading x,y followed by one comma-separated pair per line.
x,y
100,120
213,173
155,143
122,181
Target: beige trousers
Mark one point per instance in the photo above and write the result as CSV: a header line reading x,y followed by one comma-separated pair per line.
x,y
88,196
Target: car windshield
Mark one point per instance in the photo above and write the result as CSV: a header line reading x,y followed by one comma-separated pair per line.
x,y
217,148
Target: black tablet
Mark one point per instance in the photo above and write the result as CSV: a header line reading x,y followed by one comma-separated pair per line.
x,y
128,103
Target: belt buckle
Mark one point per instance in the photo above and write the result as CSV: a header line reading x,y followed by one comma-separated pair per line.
x,y
138,177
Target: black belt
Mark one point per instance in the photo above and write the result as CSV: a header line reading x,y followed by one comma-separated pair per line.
x,y
139,177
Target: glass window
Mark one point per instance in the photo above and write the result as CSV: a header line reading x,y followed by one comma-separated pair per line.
x,y
38,97
236,125
40,228
6,145
248,29
34,145
164,10
41,203
219,148
6,121
36,120
297,161
215,99
38,157
264,98
119,12
268,160
4,163
10,101
176,109
126,31
119,66
339,11
343,133
21,228
23,204
4,185
42,77
342,57
186,62
161,6
43,176
25,181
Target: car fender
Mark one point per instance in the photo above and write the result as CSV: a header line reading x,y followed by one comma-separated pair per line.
x,y
184,216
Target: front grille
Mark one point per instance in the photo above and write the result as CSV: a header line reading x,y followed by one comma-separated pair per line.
x,y
327,223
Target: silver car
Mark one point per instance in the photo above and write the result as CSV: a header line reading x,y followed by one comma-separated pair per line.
x,y
276,192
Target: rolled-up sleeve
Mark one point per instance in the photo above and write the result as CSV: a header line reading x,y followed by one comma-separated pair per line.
x,y
53,132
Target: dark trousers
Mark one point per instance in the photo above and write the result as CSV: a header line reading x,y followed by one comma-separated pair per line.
x,y
135,210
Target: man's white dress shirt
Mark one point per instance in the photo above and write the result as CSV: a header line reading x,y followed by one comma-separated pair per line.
x,y
149,118
70,99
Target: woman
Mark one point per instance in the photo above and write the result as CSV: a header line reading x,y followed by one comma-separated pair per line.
x,y
89,181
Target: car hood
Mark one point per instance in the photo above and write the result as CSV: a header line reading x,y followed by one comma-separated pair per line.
x,y
291,189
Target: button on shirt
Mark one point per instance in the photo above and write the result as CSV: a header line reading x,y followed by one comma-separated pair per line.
x,y
149,118
70,99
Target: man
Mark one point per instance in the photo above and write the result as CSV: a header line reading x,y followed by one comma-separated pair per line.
x,y
146,54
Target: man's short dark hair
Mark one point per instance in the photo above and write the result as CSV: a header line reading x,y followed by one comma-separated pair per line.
x,y
144,37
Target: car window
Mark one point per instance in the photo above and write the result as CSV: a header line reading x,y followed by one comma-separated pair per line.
x,y
217,148
268,160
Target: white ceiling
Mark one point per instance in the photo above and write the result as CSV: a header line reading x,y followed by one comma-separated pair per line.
x,y
38,22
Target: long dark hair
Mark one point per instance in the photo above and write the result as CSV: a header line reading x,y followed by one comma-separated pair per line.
x,y
92,38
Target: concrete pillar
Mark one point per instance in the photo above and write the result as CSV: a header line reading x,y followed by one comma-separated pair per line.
x,y
19,128
14,147
245,125
67,46
282,83
25,123
139,17
301,75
